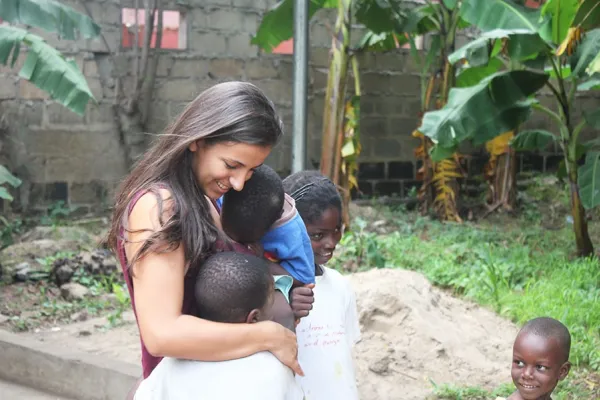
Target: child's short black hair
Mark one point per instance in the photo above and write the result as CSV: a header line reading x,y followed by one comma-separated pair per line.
x,y
550,328
229,285
248,214
313,192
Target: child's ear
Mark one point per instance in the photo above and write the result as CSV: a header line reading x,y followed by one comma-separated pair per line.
x,y
253,316
564,371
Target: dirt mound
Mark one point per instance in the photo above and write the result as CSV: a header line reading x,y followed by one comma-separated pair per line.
x,y
413,333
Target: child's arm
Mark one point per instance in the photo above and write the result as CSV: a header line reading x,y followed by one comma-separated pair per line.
x,y
282,312
289,242
277,269
300,295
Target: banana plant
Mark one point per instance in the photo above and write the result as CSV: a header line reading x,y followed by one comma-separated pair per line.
x,y
520,52
45,66
440,187
341,115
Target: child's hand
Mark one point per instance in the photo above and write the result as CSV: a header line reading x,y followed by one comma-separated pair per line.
x,y
302,299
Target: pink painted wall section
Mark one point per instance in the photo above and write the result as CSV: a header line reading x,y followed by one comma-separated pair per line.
x,y
170,34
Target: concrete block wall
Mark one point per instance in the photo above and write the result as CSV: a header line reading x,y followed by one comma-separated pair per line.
x,y
62,156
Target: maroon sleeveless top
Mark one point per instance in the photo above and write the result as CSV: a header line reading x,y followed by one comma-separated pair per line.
x,y
149,362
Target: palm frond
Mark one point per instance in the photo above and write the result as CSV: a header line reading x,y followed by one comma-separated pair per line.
x,y
51,16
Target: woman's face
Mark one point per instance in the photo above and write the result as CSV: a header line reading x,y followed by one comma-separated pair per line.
x,y
227,165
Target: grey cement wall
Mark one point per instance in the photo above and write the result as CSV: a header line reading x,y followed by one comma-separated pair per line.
x,y
62,156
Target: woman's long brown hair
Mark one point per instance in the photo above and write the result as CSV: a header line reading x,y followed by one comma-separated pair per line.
x,y
227,112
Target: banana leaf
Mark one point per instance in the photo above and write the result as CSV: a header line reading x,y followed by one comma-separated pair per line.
x,y
594,66
450,4
384,41
499,103
522,44
507,15
278,23
529,140
51,16
562,12
380,16
586,53
46,68
588,15
592,118
591,84
7,177
472,76
588,180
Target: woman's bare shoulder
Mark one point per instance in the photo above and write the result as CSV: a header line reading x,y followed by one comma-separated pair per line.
x,y
145,212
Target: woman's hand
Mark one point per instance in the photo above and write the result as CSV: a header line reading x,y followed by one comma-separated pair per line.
x,y
283,345
301,300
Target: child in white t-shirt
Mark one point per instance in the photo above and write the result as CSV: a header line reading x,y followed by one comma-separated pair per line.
x,y
326,336
232,288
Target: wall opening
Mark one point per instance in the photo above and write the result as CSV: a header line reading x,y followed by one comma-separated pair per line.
x,y
174,32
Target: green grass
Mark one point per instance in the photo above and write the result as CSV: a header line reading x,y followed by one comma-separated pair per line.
x,y
515,266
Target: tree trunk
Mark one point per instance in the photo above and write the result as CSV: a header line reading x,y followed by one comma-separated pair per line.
x,y
500,173
582,237
505,178
425,173
336,89
445,173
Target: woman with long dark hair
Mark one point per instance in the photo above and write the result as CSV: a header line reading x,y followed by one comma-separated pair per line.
x,y
165,220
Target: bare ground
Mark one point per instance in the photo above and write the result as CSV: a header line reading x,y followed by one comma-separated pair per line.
x,y
413,334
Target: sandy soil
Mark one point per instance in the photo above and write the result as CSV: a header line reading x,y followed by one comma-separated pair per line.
x,y
413,334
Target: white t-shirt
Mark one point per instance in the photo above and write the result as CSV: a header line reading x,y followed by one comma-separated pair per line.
x,y
325,340
258,377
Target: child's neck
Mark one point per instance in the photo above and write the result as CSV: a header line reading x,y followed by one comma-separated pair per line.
x,y
318,270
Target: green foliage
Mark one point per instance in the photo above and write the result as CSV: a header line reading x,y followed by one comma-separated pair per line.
x,y
562,12
592,118
51,16
588,15
46,67
278,23
451,392
506,15
590,84
519,268
361,246
522,44
9,230
378,16
586,52
56,214
501,97
6,178
589,180
534,139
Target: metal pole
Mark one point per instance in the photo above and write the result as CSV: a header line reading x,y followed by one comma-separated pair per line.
x,y
300,84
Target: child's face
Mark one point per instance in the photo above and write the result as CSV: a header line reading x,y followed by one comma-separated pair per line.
x,y
325,233
537,366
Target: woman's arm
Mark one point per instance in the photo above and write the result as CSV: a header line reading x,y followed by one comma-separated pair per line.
x,y
158,281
